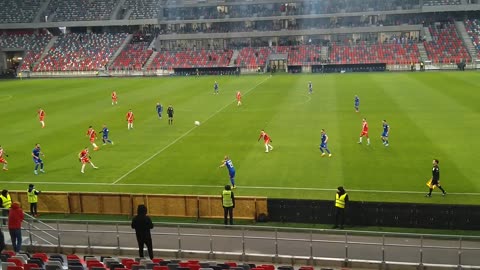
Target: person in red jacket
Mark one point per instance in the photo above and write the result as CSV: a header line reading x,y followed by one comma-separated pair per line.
x,y
15,218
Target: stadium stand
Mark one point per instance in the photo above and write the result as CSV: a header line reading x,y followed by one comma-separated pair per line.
x,y
377,53
301,55
81,52
191,59
32,44
142,9
446,46
56,261
279,9
80,10
133,57
14,11
441,2
253,57
473,30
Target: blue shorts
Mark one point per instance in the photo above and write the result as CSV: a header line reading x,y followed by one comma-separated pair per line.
x,y
37,161
356,105
384,134
232,174
323,145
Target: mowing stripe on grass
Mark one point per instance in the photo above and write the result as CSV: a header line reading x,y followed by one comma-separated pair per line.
x,y
242,187
183,135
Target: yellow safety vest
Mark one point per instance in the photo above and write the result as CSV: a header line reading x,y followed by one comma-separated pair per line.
x,y
6,201
227,198
32,197
340,200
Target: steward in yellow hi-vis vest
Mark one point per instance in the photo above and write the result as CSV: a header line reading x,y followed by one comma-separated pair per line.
x,y
341,201
228,203
33,199
6,204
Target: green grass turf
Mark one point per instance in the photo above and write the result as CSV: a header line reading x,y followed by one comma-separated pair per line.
x,y
432,115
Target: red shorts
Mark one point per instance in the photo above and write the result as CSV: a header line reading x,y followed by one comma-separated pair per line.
x,y
239,98
130,121
41,118
267,141
364,133
85,160
92,139
2,160
114,99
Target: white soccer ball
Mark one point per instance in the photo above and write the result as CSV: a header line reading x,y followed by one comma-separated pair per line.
x,y
197,123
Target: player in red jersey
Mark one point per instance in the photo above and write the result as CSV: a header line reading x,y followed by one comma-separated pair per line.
x,y
84,158
93,136
266,140
114,97
239,98
364,131
130,119
41,116
2,158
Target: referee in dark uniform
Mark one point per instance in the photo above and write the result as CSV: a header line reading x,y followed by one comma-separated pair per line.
x,y
435,179
170,114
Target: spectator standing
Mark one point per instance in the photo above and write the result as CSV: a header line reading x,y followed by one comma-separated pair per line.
x,y
33,199
6,204
228,203
15,219
2,241
341,201
142,225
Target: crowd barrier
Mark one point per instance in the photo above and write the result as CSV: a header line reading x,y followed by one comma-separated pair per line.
x,y
158,205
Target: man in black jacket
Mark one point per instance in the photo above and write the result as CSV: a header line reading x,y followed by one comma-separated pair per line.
x,y
142,225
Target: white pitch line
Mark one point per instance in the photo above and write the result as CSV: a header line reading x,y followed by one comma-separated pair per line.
x,y
241,187
183,135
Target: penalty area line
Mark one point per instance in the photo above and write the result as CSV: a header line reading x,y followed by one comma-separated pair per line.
x,y
182,136
240,187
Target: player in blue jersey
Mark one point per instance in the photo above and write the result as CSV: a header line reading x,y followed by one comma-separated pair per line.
x,y
357,103
159,110
215,88
105,131
386,131
226,162
36,155
310,87
323,143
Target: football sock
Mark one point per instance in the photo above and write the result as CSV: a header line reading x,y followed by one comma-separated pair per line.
x,y
233,182
41,166
430,192
321,150
83,167
441,189
94,145
328,151
266,147
368,140
361,139
36,167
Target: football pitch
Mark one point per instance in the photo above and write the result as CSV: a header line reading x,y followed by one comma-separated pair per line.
x,y
431,115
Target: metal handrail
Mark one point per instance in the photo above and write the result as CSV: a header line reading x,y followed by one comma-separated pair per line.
x,y
346,238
